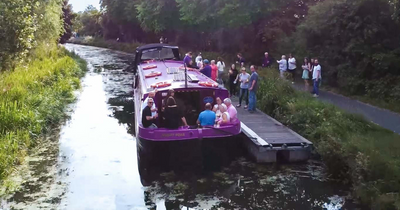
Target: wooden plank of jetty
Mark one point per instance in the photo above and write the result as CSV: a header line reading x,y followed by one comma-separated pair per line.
x,y
269,140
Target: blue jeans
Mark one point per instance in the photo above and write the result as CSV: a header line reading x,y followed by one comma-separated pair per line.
x,y
316,87
243,92
252,100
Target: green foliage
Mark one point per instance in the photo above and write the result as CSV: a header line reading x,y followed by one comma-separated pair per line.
x,y
355,150
33,98
157,15
90,21
17,30
25,24
357,44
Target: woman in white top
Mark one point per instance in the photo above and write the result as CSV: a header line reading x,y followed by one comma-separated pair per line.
x,y
221,69
225,117
216,108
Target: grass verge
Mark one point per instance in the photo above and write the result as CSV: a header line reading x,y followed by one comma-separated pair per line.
x,y
33,99
356,151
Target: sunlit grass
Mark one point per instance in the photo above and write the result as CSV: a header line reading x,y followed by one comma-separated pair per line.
x,y
33,99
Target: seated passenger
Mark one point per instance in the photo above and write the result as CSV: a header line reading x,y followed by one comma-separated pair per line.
x,y
231,110
173,116
216,107
206,117
147,119
225,118
154,109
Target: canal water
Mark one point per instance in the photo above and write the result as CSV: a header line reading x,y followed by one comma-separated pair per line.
x,y
95,165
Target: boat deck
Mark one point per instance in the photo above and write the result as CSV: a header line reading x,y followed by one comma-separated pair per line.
x,y
269,140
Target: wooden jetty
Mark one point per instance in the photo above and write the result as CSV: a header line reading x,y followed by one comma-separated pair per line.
x,y
269,140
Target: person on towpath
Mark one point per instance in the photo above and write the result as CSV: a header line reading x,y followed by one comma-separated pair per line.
x,y
244,78
253,82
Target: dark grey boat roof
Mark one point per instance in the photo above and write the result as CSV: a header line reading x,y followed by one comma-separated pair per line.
x,y
155,45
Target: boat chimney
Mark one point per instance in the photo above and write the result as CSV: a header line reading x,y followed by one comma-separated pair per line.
x,y
184,64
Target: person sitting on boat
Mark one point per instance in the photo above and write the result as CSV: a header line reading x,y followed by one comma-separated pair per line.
x,y
170,93
206,69
154,109
188,61
231,110
225,118
207,117
147,119
173,116
216,107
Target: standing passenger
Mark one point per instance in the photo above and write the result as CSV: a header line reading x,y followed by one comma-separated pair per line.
x,y
233,72
173,116
253,89
207,69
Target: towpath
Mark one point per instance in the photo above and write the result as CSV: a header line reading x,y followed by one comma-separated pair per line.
x,y
385,118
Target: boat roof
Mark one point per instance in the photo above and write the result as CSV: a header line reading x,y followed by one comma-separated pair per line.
x,y
165,68
155,45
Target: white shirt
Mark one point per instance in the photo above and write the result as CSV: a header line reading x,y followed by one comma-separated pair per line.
x,y
221,66
228,117
217,112
282,65
292,66
315,72
199,59
153,107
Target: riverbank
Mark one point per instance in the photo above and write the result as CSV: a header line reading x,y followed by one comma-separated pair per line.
x,y
33,101
356,151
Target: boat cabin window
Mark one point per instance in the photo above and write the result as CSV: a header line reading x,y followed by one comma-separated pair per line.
x,y
159,54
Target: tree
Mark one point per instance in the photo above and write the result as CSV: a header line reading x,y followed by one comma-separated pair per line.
x,y
358,45
90,19
68,17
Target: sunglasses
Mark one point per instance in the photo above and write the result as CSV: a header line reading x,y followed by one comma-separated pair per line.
x,y
151,102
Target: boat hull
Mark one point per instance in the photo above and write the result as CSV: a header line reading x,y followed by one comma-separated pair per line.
x,y
190,156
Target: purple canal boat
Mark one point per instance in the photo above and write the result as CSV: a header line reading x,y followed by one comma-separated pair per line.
x,y
159,66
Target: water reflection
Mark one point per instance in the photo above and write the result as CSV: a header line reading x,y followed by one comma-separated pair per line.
x,y
107,173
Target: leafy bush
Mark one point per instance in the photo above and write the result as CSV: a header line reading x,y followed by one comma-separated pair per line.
x,y
33,98
355,150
